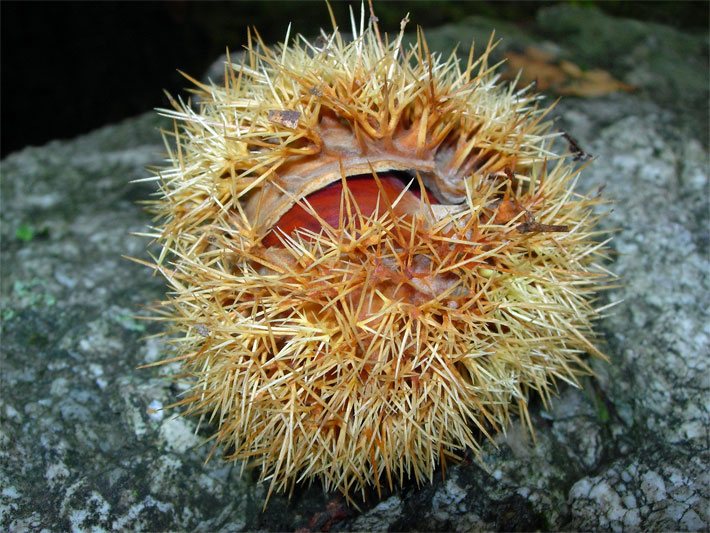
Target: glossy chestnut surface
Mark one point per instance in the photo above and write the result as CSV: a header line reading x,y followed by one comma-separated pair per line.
x,y
367,193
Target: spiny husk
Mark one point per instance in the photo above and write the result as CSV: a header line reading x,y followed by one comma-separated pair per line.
x,y
369,352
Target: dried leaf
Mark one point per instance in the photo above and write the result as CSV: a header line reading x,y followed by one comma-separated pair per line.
x,y
560,76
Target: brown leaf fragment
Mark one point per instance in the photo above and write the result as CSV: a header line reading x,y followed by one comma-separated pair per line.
x,y
507,211
561,76
535,68
284,117
594,83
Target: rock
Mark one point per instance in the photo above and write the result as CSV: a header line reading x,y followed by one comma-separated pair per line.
x,y
658,492
86,441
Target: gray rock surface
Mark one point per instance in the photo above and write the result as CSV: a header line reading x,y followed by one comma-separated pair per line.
x,y
84,442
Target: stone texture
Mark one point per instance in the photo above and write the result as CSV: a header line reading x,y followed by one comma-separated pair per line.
x,y
85,444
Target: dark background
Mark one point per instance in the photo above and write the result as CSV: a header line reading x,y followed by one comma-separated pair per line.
x,y
70,67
